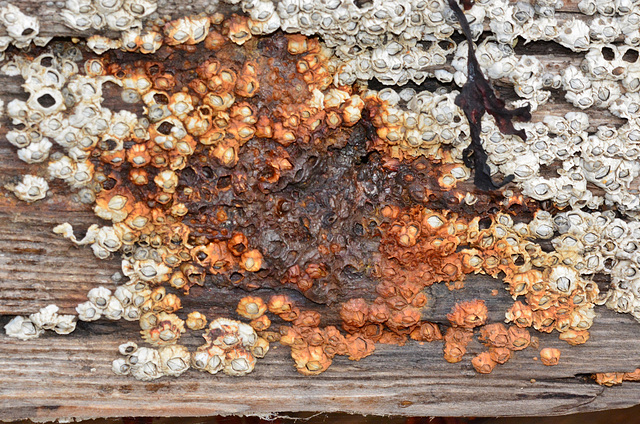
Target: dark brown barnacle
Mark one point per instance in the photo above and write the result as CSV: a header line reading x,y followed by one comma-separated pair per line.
x,y
477,97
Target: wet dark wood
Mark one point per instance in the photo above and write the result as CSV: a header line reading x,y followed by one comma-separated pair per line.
x,y
60,377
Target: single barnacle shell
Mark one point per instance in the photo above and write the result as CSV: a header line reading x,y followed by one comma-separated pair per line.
x,y
30,189
260,348
574,34
145,364
483,363
208,358
46,318
120,367
87,311
99,297
100,44
128,348
468,314
238,361
36,152
251,307
22,28
22,328
196,320
174,360
550,356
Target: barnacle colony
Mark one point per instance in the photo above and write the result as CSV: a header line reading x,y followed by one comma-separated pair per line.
x,y
245,162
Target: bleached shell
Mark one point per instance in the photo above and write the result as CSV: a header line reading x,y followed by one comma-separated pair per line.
x,y
99,297
36,152
145,364
128,348
22,328
140,8
210,359
174,360
574,35
120,367
31,188
100,44
20,27
65,324
87,311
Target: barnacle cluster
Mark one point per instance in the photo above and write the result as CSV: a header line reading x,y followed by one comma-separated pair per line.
x,y
243,153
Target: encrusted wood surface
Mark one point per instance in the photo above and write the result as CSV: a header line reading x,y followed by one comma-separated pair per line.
x,y
57,377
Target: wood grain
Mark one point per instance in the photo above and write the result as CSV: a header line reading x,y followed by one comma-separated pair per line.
x,y
61,377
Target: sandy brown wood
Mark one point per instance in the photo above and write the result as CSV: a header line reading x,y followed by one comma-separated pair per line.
x,y
59,377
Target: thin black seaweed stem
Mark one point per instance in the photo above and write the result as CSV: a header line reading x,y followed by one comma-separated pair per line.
x,y
477,97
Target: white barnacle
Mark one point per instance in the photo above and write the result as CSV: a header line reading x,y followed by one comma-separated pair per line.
x,y
36,152
145,364
574,35
174,360
30,188
87,311
99,297
22,328
22,28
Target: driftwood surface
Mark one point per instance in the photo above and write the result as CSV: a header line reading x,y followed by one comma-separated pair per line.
x,y
59,377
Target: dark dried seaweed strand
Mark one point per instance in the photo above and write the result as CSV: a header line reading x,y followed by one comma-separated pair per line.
x,y
476,98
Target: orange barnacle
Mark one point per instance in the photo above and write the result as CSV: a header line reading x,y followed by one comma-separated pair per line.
x,y
297,43
359,347
544,320
214,41
209,68
237,29
226,152
378,311
426,331
336,343
608,378
468,314
483,363
495,335
251,260
290,336
261,324
519,338
455,343
521,283
196,321
307,319
264,127
500,354
237,244
354,312
310,360
520,314
164,328
550,356
632,376
279,304
404,318
251,307
574,337
247,86
471,261
139,177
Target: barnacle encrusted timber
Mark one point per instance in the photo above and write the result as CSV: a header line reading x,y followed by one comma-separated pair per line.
x,y
242,159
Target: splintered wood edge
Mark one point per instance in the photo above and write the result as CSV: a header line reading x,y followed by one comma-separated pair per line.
x,y
69,377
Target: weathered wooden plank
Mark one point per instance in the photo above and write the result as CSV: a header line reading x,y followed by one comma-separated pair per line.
x,y
69,376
